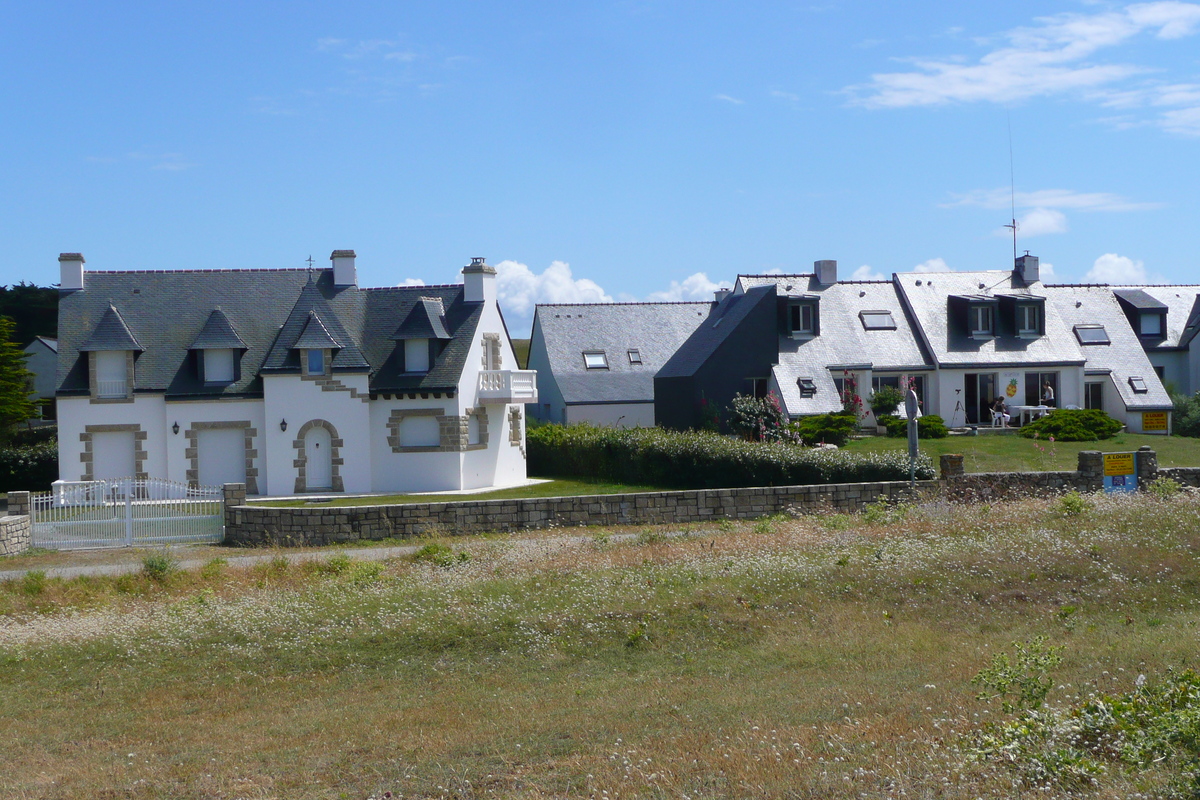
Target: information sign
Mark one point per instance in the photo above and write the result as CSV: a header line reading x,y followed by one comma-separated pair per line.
x,y
1120,473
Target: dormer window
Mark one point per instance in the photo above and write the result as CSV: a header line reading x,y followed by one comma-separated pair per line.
x,y
218,365
416,355
981,320
1029,319
315,361
112,367
1150,324
803,319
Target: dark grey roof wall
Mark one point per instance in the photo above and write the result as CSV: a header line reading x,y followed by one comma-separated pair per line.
x,y
166,311
218,333
714,330
655,330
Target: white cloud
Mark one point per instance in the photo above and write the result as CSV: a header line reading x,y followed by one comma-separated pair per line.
x,y
696,286
1046,271
933,265
520,288
412,282
867,273
1057,55
1112,268
785,95
726,98
1038,222
1049,198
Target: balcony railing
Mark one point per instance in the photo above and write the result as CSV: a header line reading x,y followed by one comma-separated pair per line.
x,y
112,389
508,386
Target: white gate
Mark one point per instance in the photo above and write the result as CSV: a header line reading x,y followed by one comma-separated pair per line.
x,y
126,512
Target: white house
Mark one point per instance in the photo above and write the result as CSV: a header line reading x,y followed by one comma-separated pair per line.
x,y
289,380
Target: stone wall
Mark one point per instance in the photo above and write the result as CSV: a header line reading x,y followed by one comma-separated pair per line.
x,y
14,529
265,525
247,525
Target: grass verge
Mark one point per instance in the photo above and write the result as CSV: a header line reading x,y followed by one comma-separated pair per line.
x,y
815,657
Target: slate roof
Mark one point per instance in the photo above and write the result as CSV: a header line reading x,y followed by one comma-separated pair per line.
x,y
1139,299
217,334
714,329
111,333
425,321
1182,304
843,341
926,295
1123,357
655,330
166,311
315,335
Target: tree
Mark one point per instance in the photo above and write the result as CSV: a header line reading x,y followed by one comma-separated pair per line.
x,y
34,309
16,381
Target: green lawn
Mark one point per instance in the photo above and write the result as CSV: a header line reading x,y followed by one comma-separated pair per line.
x,y
1015,453
554,488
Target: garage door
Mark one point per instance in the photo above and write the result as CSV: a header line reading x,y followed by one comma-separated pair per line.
x,y
113,455
222,456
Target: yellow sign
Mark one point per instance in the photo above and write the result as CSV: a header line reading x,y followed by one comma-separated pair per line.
x,y
1118,464
1154,420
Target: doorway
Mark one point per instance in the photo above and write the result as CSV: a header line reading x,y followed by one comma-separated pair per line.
x,y
981,393
318,467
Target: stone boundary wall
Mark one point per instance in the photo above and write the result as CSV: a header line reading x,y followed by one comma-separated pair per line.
x,y
1188,476
265,525
15,531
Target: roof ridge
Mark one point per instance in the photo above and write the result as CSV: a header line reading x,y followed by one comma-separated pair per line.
x,y
627,303
185,271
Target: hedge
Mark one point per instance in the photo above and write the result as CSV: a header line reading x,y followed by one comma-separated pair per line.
x,y
1073,425
30,468
930,426
701,460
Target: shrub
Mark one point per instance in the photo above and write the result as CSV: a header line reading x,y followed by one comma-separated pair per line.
x,y
758,419
1025,676
885,400
1187,415
825,428
930,426
159,566
1073,425
28,468
694,459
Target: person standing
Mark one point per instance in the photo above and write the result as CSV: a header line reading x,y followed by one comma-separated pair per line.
x,y
1048,395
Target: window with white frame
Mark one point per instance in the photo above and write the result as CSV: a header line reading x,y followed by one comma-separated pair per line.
x,y
981,320
111,373
595,359
1151,324
803,318
218,365
416,355
1029,319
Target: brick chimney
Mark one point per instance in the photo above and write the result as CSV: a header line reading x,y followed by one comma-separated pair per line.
x,y
826,272
70,267
344,273
479,281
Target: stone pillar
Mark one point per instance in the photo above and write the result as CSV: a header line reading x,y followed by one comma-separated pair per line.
x,y
233,494
18,504
952,466
1090,474
1146,464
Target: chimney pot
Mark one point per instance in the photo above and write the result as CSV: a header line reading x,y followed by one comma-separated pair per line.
x,y
479,281
70,267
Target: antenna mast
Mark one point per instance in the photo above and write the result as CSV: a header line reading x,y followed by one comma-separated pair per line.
x,y
1012,188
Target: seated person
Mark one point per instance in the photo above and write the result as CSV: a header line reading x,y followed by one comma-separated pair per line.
x,y
1000,412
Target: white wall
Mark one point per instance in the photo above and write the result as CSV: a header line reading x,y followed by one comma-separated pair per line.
x,y
613,415
411,472
189,412
299,401
75,413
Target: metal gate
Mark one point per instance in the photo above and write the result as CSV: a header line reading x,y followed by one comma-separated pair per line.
x,y
125,512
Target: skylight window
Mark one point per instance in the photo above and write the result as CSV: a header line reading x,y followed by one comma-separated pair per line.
x,y
877,320
1138,384
808,387
595,359
635,356
1091,334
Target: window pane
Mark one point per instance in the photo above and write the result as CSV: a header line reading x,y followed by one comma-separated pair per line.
x,y
218,366
316,362
595,360
877,320
635,357
1091,334
1151,324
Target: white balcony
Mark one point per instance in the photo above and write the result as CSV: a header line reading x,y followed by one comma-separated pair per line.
x,y
508,386
111,389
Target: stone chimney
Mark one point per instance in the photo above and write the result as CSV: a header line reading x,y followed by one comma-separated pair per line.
x,y
479,281
344,273
826,272
70,267
1027,268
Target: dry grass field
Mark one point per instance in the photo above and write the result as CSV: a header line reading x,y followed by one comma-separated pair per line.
x,y
817,657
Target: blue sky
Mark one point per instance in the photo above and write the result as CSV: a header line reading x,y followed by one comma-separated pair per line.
x,y
623,150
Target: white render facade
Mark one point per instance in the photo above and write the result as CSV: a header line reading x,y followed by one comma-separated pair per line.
x,y
290,381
